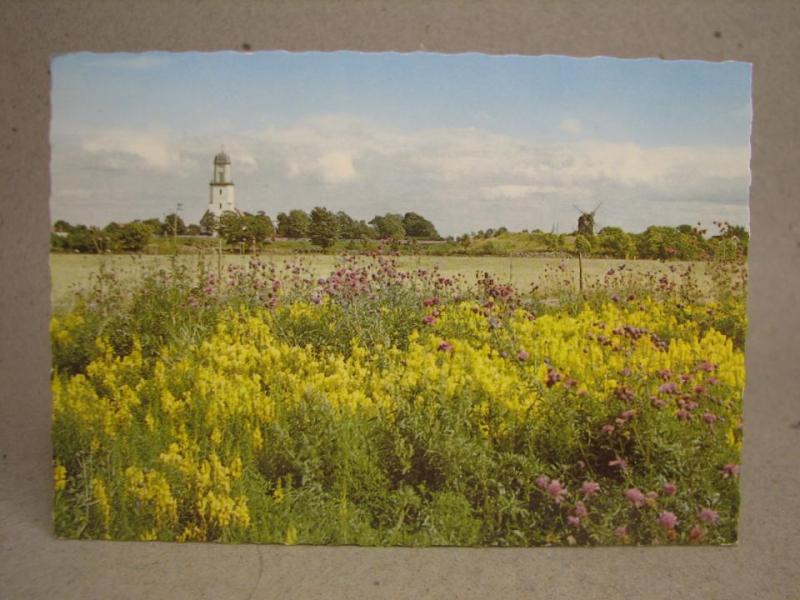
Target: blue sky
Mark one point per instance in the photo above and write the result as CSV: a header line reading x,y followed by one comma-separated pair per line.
x,y
470,140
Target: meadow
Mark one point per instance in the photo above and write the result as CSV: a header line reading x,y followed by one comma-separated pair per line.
x,y
384,400
73,272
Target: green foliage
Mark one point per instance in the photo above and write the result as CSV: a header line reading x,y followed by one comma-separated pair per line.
x,y
323,230
133,237
582,244
684,243
250,232
209,223
389,226
62,226
552,241
429,467
246,228
417,226
614,242
294,225
173,225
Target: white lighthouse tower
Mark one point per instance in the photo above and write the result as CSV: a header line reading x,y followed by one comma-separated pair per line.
x,y
221,196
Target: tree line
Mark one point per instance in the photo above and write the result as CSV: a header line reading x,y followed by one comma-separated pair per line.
x,y
659,242
321,226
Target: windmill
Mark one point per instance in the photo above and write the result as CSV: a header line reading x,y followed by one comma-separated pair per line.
x,y
586,220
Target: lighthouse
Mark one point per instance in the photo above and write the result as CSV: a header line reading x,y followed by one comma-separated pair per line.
x,y
221,198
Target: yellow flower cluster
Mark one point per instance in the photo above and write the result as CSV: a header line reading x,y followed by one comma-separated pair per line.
x,y
186,427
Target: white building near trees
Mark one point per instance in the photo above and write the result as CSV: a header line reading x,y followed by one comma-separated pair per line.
x,y
221,196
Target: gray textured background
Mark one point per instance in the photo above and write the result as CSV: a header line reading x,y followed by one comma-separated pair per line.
x,y
764,564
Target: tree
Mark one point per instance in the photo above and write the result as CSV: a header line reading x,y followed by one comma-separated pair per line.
x,y
735,236
260,227
323,230
61,226
389,226
90,240
156,226
209,223
346,225
112,228
613,241
58,243
245,228
552,241
173,225
417,226
294,225
684,242
232,227
133,237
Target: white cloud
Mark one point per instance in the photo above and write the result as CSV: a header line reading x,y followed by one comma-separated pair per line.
x,y
464,179
337,167
116,148
571,125
518,192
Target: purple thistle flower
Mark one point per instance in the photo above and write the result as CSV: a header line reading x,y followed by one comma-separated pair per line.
x,y
522,355
555,490
429,320
667,520
608,428
710,418
446,347
730,470
709,516
621,532
580,510
706,366
635,497
668,388
553,377
696,533
573,521
590,488
657,402
669,489
682,414
542,481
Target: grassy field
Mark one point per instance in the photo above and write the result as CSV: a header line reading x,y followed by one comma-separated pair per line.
x,y
73,272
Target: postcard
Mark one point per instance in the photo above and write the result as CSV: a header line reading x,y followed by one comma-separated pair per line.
x,y
398,299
